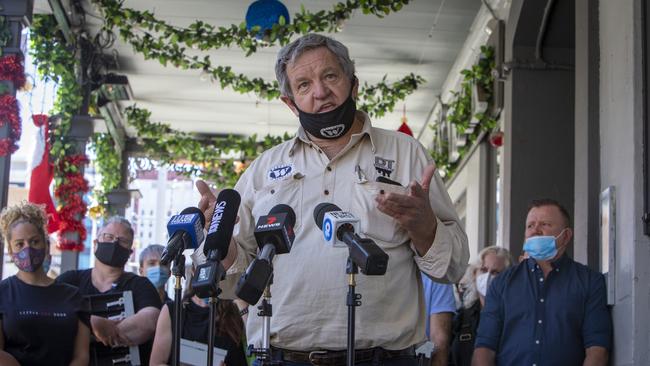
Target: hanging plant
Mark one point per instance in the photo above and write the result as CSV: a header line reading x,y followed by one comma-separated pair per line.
x,y
55,61
107,165
220,160
460,111
155,39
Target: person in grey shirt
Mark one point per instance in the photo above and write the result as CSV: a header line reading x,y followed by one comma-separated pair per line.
x,y
385,178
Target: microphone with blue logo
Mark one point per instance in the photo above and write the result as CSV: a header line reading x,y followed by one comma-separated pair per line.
x,y
185,232
339,230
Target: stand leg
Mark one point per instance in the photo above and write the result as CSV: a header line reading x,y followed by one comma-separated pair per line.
x,y
211,331
178,271
352,303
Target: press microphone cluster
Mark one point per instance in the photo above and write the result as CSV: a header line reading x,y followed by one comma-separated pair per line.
x,y
185,232
207,275
339,230
274,235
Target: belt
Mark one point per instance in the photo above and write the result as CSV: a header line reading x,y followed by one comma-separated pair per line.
x,y
336,358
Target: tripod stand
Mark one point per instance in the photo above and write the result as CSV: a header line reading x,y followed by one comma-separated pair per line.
x,y
353,300
178,270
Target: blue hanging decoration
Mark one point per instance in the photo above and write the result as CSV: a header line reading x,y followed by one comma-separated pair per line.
x,y
265,13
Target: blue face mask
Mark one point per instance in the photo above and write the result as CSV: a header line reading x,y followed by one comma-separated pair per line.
x,y
541,247
158,276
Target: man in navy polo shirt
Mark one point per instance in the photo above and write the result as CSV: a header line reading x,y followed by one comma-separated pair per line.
x,y
548,310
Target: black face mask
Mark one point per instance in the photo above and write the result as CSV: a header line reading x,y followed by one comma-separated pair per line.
x,y
112,254
332,124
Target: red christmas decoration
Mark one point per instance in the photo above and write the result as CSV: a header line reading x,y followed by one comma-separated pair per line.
x,y
9,114
496,139
404,128
11,68
72,207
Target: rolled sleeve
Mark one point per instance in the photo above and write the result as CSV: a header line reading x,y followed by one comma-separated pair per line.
x,y
597,325
490,327
446,259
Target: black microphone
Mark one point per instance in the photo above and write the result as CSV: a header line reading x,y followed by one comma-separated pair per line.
x,y
185,232
222,223
274,235
339,227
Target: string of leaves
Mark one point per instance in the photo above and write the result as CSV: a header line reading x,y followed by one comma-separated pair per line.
x,y
460,113
108,163
55,61
219,160
157,40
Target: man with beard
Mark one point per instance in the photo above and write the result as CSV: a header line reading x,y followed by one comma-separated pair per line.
x,y
113,247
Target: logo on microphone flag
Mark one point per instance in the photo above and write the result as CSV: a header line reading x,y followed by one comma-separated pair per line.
x,y
327,229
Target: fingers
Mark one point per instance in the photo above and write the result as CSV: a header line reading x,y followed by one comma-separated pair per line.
x,y
427,175
205,191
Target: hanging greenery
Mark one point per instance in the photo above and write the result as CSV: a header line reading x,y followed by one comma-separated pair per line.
x,y
155,39
460,112
219,160
55,61
107,164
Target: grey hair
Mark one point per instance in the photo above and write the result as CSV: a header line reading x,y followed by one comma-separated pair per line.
x,y
119,220
153,250
289,53
468,282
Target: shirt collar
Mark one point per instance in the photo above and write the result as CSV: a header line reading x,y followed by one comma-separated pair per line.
x,y
301,135
561,262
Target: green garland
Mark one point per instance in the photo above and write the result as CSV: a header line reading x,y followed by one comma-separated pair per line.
x,y
107,164
165,46
460,111
210,159
56,62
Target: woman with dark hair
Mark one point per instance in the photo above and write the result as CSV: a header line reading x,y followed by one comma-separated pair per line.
x,y
195,322
42,322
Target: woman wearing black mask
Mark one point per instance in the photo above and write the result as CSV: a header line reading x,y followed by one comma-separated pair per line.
x,y
113,247
32,304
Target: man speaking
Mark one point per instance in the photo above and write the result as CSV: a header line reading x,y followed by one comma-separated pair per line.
x,y
385,178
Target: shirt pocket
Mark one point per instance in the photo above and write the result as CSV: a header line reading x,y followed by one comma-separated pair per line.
x,y
374,223
287,191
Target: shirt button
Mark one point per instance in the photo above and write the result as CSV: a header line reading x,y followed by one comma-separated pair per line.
x,y
326,192
537,342
534,364
329,168
541,280
539,321
541,300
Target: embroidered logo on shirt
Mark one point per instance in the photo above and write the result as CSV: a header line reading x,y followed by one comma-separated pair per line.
x,y
280,171
383,166
332,131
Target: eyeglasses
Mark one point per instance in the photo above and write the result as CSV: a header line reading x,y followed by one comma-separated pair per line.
x,y
108,237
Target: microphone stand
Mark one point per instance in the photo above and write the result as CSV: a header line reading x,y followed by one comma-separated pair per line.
x,y
264,354
213,259
353,300
178,270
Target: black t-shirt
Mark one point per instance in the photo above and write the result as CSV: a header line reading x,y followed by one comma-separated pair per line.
x,y
144,295
195,328
39,323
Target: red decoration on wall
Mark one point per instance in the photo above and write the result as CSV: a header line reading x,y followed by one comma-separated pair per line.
x,y
11,69
9,114
72,206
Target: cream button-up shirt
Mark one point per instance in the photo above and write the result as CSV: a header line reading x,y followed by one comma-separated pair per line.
x,y
310,284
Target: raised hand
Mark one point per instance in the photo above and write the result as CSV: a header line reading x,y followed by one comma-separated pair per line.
x,y
413,210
